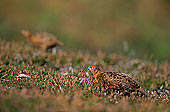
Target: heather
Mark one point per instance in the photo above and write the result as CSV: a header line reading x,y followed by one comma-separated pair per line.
x,y
61,82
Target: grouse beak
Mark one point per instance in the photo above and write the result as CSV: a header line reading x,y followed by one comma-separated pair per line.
x,y
89,68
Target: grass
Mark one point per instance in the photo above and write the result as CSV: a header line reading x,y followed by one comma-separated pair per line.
x,y
105,23
62,82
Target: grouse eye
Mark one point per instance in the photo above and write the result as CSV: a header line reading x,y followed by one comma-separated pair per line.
x,y
93,67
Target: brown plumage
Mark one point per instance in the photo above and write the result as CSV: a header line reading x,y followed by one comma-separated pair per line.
x,y
41,40
115,81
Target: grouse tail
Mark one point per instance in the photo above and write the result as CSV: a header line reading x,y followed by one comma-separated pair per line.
x,y
142,92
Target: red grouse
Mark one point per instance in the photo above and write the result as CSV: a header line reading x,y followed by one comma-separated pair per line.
x,y
41,40
115,81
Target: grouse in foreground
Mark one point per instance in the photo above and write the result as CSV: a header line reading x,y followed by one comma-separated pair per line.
x,y
115,81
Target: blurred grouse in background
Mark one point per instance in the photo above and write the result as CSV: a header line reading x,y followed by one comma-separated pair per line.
x,y
115,81
42,40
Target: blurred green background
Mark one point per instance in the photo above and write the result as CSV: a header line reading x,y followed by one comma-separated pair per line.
x,y
139,27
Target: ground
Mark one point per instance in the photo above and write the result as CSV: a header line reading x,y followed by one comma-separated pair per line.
x,y
62,82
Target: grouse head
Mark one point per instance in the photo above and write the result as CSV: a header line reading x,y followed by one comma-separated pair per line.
x,y
26,33
95,70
